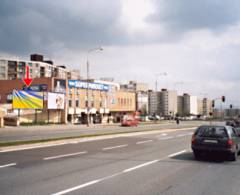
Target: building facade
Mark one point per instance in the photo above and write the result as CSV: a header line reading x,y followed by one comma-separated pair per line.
x,y
168,103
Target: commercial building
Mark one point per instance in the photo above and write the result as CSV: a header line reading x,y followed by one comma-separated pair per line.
x,y
101,99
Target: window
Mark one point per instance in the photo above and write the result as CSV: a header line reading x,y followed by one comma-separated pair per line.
x,y
70,103
77,103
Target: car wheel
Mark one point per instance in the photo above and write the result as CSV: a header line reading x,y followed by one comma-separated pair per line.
x,y
234,156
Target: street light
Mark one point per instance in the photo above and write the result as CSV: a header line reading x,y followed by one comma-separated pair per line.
x,y
89,51
157,75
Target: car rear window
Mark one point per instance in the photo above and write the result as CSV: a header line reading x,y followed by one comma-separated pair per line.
x,y
215,132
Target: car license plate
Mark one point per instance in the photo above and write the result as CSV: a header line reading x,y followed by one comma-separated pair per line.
x,y
210,141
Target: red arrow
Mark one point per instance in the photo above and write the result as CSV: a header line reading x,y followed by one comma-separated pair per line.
x,y
27,80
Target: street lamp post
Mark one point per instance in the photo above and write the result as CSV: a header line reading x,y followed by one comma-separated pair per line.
x,y
157,75
88,107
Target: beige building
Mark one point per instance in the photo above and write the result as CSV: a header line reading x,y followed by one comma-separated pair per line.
x,y
168,102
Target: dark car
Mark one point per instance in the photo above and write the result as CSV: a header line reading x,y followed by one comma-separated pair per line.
x,y
216,139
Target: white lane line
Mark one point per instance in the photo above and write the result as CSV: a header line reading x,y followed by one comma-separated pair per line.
x,y
165,138
183,135
64,155
113,147
113,175
143,142
164,134
140,166
177,153
77,187
8,165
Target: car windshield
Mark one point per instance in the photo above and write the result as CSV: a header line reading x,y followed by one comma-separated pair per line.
x,y
208,131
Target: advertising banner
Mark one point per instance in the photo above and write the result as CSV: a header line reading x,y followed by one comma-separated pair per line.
x,y
56,101
85,85
27,100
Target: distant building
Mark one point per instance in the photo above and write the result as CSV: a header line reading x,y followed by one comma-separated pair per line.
x,y
11,69
207,107
154,102
189,105
168,102
135,86
200,106
180,105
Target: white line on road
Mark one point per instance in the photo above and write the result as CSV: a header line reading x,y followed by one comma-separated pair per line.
x,y
8,165
113,147
139,166
165,138
64,155
77,187
114,175
143,142
183,135
177,153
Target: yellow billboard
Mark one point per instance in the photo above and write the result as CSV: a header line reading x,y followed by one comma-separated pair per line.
x,y
27,100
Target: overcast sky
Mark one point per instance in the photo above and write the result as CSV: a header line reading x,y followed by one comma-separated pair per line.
x,y
196,43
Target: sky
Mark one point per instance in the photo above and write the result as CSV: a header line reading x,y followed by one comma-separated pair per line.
x,y
196,43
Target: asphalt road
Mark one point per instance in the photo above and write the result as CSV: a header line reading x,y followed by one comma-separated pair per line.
x,y
61,131
152,164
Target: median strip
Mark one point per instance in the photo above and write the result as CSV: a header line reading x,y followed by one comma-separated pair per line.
x,y
45,142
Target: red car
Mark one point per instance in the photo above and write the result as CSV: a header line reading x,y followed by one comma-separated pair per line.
x,y
129,122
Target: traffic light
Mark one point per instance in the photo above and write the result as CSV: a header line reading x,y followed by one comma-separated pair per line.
x,y
213,103
231,106
223,98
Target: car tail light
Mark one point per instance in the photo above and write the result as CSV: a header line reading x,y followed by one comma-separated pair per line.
x,y
193,139
230,142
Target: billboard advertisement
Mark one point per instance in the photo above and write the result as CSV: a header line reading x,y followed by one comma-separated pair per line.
x,y
27,100
56,101
59,85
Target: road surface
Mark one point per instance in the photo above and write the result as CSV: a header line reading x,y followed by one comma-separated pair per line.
x,y
153,164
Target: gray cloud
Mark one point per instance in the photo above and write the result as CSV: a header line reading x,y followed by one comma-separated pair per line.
x,y
31,25
185,15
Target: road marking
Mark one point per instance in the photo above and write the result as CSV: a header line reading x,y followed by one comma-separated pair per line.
x,y
64,155
165,138
8,165
177,153
140,166
113,147
185,134
77,187
164,134
143,142
113,175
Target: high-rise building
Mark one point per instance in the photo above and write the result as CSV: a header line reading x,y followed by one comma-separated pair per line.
x,y
154,102
189,105
168,102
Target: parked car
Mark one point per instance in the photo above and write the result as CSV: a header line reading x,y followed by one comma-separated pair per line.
x,y
216,139
153,117
129,122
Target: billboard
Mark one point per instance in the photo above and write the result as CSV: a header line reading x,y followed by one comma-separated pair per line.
x,y
27,100
56,101
59,85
